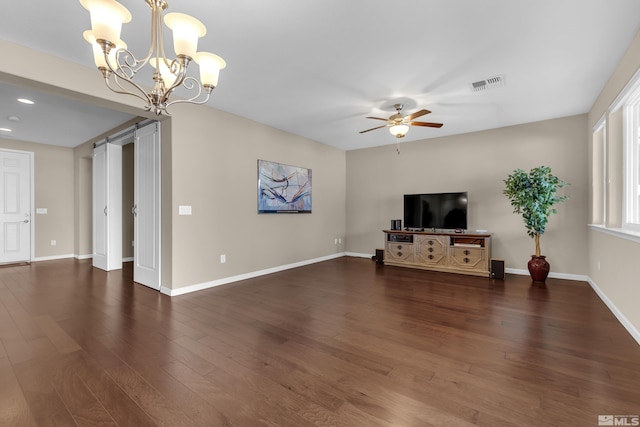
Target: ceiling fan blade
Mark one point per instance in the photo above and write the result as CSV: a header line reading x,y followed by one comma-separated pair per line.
x,y
379,127
378,118
427,124
417,114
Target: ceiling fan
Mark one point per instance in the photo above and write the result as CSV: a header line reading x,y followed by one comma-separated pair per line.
x,y
399,125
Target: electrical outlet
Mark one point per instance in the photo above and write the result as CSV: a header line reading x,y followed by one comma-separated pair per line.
x,y
53,243
339,240
335,241
223,259
598,265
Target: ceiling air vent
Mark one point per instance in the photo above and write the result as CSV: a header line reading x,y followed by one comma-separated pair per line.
x,y
489,83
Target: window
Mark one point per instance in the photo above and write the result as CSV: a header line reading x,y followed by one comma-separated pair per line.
x,y
631,154
615,166
599,167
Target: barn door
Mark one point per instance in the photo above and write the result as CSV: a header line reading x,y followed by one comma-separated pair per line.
x,y
146,227
107,207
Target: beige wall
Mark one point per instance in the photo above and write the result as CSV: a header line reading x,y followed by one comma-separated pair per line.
x,y
84,218
83,173
618,274
127,201
53,189
477,163
613,260
214,167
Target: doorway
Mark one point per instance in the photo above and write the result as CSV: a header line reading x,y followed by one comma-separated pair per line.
x,y
112,208
16,201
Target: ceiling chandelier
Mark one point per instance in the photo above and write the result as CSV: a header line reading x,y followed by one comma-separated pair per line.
x,y
119,66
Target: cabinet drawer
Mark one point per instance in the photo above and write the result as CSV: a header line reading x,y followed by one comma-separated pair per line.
x,y
469,258
431,250
399,252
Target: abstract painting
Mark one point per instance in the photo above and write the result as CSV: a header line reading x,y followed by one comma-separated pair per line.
x,y
283,188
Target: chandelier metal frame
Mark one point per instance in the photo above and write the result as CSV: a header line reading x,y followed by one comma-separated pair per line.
x,y
119,66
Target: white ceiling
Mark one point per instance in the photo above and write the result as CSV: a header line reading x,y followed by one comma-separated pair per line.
x,y
318,68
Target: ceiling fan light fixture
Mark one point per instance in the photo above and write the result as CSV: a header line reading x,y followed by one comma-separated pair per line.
x,y
399,130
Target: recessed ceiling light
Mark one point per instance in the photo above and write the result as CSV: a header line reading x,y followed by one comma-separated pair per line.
x,y
25,101
13,119
5,130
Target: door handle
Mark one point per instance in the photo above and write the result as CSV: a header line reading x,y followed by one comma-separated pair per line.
x,y
105,211
134,210
25,221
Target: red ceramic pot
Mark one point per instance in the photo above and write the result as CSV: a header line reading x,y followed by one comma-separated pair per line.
x,y
538,268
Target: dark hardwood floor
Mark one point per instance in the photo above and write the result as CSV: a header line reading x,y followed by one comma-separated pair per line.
x,y
344,342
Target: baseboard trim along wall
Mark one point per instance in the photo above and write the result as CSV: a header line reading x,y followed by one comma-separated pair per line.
x,y
358,255
51,258
226,280
635,333
521,272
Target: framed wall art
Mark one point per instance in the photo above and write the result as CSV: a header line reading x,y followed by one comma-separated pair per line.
x,y
283,188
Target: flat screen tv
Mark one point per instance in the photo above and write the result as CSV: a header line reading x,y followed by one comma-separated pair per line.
x,y
435,210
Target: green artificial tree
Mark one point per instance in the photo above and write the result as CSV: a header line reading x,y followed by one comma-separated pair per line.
x,y
533,195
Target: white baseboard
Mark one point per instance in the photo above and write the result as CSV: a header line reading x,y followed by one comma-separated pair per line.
x,y
621,317
129,259
612,307
358,255
579,277
226,280
88,256
51,258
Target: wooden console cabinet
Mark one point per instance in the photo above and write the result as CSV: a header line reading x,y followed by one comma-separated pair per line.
x,y
465,253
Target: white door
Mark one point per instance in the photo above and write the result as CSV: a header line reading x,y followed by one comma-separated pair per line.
x,y
146,270
15,206
107,207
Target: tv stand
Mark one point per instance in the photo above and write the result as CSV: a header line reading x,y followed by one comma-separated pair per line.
x,y
448,251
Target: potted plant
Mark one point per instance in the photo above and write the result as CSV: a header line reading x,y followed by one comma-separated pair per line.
x,y
533,195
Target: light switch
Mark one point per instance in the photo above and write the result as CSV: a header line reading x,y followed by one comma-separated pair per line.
x,y
41,211
184,210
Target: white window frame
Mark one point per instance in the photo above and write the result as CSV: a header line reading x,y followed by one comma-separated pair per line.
x,y
631,158
627,97
599,187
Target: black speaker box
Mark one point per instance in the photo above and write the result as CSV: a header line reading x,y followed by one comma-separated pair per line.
x,y
379,256
497,268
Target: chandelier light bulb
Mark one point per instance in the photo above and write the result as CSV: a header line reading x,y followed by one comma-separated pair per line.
x,y
98,54
186,32
168,77
107,17
210,66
